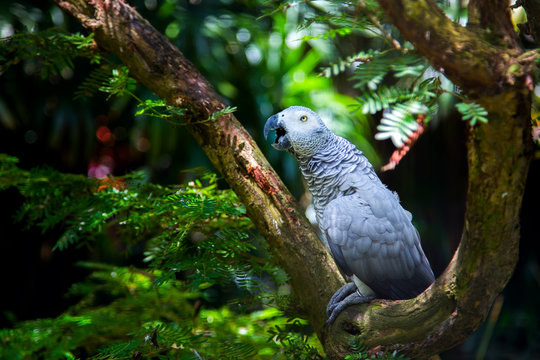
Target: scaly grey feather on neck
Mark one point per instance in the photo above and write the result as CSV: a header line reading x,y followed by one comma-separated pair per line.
x,y
325,171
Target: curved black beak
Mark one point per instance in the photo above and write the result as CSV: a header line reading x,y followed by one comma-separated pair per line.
x,y
271,124
282,141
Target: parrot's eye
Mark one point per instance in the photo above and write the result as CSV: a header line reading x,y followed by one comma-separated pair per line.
x,y
303,118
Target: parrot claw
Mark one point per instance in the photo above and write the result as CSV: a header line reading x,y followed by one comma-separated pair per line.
x,y
346,296
338,296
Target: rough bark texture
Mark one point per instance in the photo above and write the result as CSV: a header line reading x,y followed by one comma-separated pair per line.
x,y
488,66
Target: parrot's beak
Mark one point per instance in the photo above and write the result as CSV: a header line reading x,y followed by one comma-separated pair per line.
x,y
282,140
271,124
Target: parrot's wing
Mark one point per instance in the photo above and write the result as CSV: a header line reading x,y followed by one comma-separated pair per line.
x,y
384,251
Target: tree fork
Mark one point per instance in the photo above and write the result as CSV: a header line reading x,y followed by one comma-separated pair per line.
x,y
456,304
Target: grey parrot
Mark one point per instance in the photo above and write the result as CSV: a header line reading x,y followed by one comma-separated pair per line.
x,y
362,223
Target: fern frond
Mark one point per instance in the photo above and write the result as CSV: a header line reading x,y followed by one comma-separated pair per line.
x,y
120,83
112,80
328,34
472,112
237,350
398,122
220,113
370,74
399,153
373,101
51,49
342,64
408,65
212,215
119,350
97,78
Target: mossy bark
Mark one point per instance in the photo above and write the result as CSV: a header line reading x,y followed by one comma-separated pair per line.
x,y
489,67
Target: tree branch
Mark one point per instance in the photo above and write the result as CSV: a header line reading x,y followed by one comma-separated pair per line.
x,y
473,58
494,16
160,66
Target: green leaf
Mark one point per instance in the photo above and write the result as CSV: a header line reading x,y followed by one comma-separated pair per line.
x,y
398,123
472,112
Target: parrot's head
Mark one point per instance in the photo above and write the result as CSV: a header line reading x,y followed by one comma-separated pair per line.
x,y
299,130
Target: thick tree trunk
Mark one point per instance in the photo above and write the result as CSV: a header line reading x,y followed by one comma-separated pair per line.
x,y
492,70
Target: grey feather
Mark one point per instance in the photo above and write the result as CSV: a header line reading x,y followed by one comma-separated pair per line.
x,y
363,224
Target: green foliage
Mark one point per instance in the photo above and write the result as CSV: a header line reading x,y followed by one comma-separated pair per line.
x,y
119,83
399,122
181,225
171,113
194,247
409,69
342,64
384,97
338,22
152,108
117,303
294,341
130,322
115,80
109,79
196,236
359,353
329,34
224,111
52,50
394,80
414,90
472,112
196,239
413,94
283,55
409,94
168,341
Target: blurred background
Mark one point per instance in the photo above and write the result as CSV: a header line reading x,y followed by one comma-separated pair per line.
x,y
260,65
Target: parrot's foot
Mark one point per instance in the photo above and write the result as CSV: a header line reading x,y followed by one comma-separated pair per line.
x,y
346,296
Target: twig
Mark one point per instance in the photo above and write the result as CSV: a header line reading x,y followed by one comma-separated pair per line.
x,y
372,19
404,149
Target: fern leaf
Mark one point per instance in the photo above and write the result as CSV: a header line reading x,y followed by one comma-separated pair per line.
x,y
52,50
240,351
107,79
398,123
93,82
370,74
342,64
372,101
217,114
472,112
